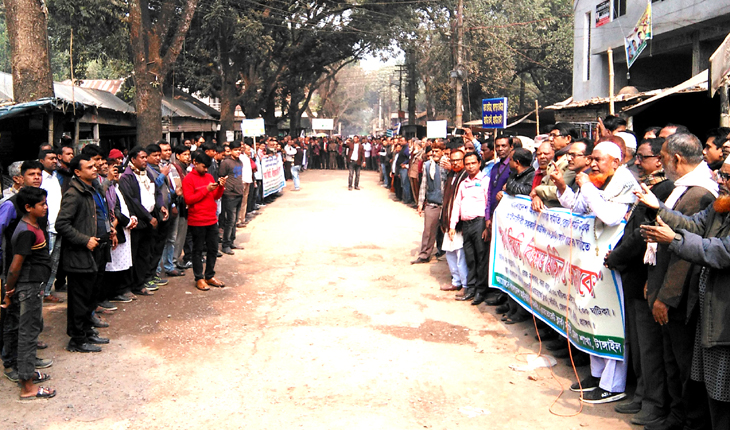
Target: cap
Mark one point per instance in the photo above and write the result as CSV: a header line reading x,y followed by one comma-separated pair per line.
x,y
609,148
629,139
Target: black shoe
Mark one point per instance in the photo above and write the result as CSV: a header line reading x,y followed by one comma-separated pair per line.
x,y
646,419
440,254
349,188
107,305
632,407
82,347
97,322
419,260
599,395
478,298
502,309
468,295
516,319
96,340
561,353
590,383
497,299
580,360
357,188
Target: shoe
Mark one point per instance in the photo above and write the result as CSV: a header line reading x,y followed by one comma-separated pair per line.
x,y
39,344
478,299
219,255
349,188
144,292
185,265
257,206
228,251
213,282
120,299
468,295
502,309
106,304
82,347
43,363
590,383
201,285
546,334
440,254
449,287
516,319
600,395
98,322
52,299
12,374
175,272
96,340
151,286
357,188
497,299
234,246
556,345
632,407
159,281
241,225
649,420
419,260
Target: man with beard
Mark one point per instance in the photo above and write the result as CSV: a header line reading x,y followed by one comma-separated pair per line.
x,y
607,193
702,239
470,205
544,194
643,334
672,286
453,246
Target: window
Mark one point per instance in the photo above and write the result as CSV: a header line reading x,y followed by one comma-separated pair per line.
x,y
587,24
619,8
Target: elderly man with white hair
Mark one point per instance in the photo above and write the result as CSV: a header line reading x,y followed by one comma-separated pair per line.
x,y
14,173
607,192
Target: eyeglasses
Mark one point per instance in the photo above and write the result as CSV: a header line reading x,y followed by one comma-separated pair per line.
x,y
644,157
571,155
724,176
554,135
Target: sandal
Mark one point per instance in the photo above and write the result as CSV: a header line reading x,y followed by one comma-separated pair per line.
x,y
43,393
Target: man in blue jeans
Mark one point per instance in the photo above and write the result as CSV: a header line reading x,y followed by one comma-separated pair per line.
x,y
235,192
296,166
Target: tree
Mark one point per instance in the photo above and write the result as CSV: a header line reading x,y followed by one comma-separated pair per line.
x,y
156,30
30,63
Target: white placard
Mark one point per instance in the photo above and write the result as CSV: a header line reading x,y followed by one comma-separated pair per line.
x,y
323,124
436,129
253,127
230,135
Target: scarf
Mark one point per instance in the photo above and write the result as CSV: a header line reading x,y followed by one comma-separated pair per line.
x,y
453,180
654,178
700,176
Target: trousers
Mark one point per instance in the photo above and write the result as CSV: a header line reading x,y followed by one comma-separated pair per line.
x,y
457,267
230,207
475,250
81,290
23,324
431,214
205,238
354,168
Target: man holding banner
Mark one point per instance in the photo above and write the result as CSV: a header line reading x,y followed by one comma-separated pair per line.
x,y
606,192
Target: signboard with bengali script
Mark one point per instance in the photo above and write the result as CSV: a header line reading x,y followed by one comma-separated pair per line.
x,y
603,13
494,113
253,127
273,173
552,265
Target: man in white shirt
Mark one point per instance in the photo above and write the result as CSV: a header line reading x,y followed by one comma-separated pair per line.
x,y
355,157
368,154
51,184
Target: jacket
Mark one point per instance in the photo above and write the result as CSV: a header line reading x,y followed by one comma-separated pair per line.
x,y
520,183
129,187
628,256
201,202
76,223
674,280
360,152
704,239
547,191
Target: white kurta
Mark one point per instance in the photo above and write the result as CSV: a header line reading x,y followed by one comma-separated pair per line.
x,y
122,255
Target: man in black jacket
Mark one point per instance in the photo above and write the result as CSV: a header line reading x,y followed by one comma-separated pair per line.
x,y
85,225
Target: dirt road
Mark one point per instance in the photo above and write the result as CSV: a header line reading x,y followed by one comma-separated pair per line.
x,y
324,324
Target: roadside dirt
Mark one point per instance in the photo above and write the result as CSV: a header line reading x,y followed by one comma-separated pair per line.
x,y
323,324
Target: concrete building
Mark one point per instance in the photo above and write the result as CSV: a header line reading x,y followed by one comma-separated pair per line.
x,y
685,34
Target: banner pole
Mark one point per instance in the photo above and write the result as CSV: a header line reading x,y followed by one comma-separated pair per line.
x,y
610,82
537,119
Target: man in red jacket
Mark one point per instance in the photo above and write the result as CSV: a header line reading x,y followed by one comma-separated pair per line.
x,y
201,192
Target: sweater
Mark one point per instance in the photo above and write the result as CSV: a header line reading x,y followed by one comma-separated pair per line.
x,y
201,202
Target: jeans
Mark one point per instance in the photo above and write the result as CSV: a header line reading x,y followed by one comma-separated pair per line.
x,y
23,324
354,169
54,244
231,206
405,186
295,175
205,238
168,252
386,176
180,237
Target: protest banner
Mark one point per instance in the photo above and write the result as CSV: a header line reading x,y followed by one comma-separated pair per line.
x,y
436,129
494,113
637,40
253,127
273,172
552,264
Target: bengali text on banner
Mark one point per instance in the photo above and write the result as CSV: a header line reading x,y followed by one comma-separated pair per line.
x,y
273,172
552,264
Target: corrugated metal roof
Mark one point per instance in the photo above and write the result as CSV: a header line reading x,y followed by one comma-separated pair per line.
x,y
109,85
695,84
47,103
185,105
70,93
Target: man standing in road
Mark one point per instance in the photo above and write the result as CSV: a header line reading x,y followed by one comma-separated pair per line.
x,y
355,159
430,201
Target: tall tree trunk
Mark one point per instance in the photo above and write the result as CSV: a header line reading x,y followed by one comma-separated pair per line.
x,y
30,62
228,93
152,62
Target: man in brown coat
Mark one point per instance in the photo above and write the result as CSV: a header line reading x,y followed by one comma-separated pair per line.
x,y
355,157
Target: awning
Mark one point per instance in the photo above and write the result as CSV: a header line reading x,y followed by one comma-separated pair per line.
x,y
695,84
46,104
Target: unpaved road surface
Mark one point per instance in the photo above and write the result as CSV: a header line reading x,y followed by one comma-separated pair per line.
x,y
323,324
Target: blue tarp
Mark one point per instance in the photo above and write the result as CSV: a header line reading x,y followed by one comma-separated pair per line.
x,y
45,104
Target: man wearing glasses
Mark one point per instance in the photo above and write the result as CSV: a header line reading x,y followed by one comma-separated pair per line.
x,y
544,195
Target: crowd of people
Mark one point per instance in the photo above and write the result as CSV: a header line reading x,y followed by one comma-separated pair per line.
x,y
670,189
108,228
